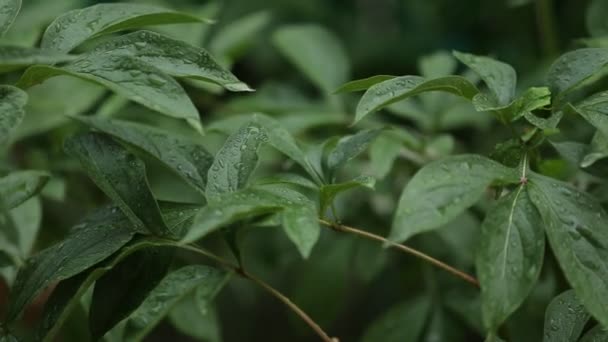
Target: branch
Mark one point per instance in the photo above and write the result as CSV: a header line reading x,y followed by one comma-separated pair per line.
x,y
346,229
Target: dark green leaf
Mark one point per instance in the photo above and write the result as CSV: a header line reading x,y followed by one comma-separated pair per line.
x,y
498,76
384,93
235,161
510,255
121,176
565,318
594,109
442,190
362,84
19,186
437,64
190,319
349,147
574,223
16,57
316,52
289,178
74,27
8,13
171,56
189,160
598,149
328,192
12,101
402,323
596,334
128,77
595,18
573,68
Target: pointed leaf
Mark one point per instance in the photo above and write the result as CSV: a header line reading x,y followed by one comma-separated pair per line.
x,y
327,193
74,27
385,93
235,161
402,323
173,57
19,186
317,52
565,318
349,147
573,68
128,77
442,190
362,84
510,255
12,101
121,176
8,13
16,57
575,225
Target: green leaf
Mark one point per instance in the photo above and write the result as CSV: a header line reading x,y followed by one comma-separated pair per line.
x,y
498,76
596,334
173,57
16,57
205,281
402,323
598,149
75,27
197,321
317,52
349,147
382,154
12,101
573,68
594,109
595,18
328,192
235,161
574,223
290,179
86,245
128,77
385,93
362,84
188,160
124,288
565,318
510,255
532,99
121,176
19,186
442,190
438,64
8,13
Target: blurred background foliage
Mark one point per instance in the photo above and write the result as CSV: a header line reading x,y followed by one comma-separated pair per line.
x,y
348,284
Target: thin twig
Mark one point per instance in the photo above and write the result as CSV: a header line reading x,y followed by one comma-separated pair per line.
x,y
342,228
274,292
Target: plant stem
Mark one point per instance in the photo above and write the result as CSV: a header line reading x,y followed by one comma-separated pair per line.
x,y
274,292
346,229
546,27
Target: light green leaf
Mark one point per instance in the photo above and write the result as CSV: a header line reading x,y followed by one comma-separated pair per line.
x,y
121,176
316,52
574,222
362,84
498,76
349,147
16,57
385,93
573,68
19,186
596,334
86,245
328,192
438,64
177,285
510,256
402,323
544,123
235,161
532,99
74,27
565,318
190,319
8,12
12,101
442,190
128,77
172,57
189,160
383,152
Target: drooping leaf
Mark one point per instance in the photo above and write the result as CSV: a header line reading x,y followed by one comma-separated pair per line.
x,y
128,77
349,147
574,222
189,160
8,13
125,287
402,323
498,76
510,256
171,56
573,68
121,176
202,280
328,192
316,52
19,186
362,84
442,190
235,161
16,57
565,318
75,27
385,93
532,99
12,101
85,246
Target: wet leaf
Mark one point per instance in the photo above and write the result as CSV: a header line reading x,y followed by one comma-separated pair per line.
x,y
349,147
596,334
328,192
594,109
16,57
8,13
573,68
565,318
362,84
12,101
19,186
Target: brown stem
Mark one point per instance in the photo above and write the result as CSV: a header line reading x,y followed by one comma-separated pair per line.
x,y
346,229
274,292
